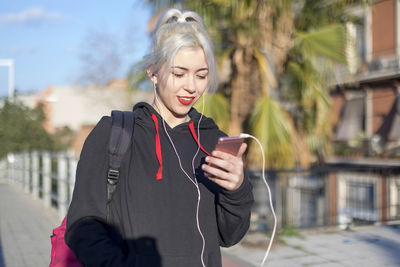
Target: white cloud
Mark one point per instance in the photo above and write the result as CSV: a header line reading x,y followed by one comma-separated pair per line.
x,y
31,16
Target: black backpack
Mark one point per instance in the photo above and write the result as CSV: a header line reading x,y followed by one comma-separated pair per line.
x,y
120,139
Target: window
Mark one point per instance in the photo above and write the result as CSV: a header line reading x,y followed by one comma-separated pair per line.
x,y
360,196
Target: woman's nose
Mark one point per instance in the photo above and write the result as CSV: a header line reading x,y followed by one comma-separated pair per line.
x,y
190,85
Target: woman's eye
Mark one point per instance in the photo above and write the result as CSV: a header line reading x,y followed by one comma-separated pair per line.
x,y
178,75
202,77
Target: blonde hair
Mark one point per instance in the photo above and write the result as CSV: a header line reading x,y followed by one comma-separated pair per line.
x,y
177,29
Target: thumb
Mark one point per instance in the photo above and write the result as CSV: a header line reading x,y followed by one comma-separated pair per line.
x,y
242,149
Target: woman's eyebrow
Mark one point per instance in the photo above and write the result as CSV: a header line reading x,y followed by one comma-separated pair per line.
x,y
186,69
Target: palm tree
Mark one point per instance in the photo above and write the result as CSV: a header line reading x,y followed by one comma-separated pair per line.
x,y
276,88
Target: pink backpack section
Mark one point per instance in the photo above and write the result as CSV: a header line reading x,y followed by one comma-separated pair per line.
x,y
61,254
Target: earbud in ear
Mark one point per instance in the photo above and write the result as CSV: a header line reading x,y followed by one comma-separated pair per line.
x,y
154,78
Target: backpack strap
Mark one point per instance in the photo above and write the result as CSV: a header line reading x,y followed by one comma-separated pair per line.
x,y
119,142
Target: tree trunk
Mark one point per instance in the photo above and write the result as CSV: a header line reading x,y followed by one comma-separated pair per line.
x,y
244,89
235,126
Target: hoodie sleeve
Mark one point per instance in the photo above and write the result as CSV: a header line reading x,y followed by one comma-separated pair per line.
x,y
87,234
233,213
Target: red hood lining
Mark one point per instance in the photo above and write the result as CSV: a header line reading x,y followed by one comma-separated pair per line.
x,y
158,145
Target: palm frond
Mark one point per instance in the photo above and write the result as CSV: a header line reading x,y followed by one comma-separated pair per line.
x,y
328,41
313,108
137,77
267,77
216,107
273,127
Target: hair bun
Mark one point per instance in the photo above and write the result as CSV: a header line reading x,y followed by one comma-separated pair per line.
x,y
174,15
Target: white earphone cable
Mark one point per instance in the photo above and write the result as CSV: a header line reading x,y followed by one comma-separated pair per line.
x,y
198,189
244,135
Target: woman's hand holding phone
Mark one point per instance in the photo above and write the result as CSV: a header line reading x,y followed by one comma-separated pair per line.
x,y
225,165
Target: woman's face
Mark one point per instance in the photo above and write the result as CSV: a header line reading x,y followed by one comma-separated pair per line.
x,y
183,85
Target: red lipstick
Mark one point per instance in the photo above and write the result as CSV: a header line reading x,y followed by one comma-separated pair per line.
x,y
185,100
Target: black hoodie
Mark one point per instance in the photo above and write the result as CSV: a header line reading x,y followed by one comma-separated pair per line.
x,y
153,211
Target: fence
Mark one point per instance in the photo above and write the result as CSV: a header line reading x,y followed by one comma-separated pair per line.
x,y
329,196
46,176
333,195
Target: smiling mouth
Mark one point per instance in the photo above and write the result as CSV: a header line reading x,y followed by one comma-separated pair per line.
x,y
185,100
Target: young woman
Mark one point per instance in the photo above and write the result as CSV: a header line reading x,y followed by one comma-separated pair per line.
x,y
175,204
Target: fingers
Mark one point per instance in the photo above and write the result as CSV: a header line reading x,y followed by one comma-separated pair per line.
x,y
227,184
228,180
225,169
213,170
222,163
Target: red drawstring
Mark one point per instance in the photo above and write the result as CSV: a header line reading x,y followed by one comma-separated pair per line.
x,y
158,145
158,148
191,127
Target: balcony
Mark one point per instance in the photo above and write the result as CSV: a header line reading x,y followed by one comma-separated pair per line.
x,y
377,70
380,69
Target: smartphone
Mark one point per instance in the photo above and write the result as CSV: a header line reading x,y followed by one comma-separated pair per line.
x,y
229,144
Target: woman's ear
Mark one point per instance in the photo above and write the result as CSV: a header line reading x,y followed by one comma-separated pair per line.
x,y
152,76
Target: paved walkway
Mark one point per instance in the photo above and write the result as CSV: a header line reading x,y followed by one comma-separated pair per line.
x,y
25,229
26,226
367,246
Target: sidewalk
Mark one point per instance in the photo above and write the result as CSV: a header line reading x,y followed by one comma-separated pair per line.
x,y
25,229
362,246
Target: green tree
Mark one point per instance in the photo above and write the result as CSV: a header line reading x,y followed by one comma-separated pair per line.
x,y
280,55
21,129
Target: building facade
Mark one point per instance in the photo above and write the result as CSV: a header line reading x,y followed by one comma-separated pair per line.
x,y
366,105
79,109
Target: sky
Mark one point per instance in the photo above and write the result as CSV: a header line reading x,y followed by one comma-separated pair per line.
x,y
46,39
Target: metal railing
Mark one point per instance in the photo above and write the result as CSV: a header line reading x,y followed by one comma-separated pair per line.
x,y
47,176
324,197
